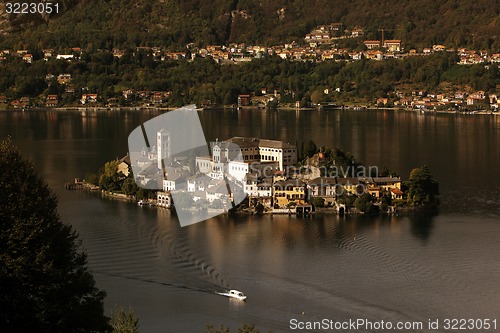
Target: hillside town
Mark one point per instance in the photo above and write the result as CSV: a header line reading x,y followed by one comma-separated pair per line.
x,y
262,175
321,44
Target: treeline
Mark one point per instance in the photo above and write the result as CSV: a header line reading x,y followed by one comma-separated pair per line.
x,y
421,190
110,179
204,81
115,23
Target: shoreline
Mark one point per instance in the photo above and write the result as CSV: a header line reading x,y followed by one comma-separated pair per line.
x,y
354,108
319,211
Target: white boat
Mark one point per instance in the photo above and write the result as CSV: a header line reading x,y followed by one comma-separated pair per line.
x,y
234,294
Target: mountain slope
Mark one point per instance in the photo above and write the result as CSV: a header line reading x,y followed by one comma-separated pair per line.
x,y
174,23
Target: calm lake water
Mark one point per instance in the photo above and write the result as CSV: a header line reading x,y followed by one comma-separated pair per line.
x,y
385,268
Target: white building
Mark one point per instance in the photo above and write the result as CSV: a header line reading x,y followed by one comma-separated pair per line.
x,y
261,150
162,146
163,199
198,183
238,170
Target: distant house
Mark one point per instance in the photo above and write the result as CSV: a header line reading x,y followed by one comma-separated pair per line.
x,y
89,98
392,45
124,165
438,48
47,54
28,58
198,183
65,57
113,101
69,89
383,100
157,98
164,199
243,100
356,32
64,78
371,44
175,180
118,53
20,103
287,191
474,100
396,193
493,98
51,101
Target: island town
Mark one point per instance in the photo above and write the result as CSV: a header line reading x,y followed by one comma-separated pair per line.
x,y
267,176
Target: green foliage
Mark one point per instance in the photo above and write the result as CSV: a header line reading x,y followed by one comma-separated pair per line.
x,y
97,24
363,202
91,178
318,201
125,321
129,186
385,202
310,149
423,189
204,80
109,178
45,285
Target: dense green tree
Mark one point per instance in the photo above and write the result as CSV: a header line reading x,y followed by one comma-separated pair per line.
x,y
422,188
109,178
129,186
310,149
364,203
45,285
318,202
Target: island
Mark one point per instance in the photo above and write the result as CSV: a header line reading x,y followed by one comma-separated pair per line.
x,y
252,175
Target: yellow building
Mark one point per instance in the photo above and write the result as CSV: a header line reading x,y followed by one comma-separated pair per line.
x,y
287,191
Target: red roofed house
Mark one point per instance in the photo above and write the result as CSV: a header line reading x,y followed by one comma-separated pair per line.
x,y
371,44
28,58
89,98
393,45
243,100
51,101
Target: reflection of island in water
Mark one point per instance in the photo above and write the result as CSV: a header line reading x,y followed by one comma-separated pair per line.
x,y
315,232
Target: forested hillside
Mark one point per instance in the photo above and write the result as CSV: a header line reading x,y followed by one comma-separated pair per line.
x,y
174,23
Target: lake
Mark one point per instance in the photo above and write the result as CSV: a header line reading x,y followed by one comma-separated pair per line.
x,y
391,268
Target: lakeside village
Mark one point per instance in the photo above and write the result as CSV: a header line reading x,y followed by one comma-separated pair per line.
x,y
321,44
270,176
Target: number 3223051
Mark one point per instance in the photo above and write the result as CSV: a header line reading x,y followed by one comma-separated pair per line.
x,y
31,8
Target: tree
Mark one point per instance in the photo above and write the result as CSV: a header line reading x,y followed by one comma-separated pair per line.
x,y
422,189
125,321
310,149
363,203
109,178
129,186
318,202
45,285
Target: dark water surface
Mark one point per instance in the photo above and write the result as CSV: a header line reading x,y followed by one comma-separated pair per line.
x,y
385,268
